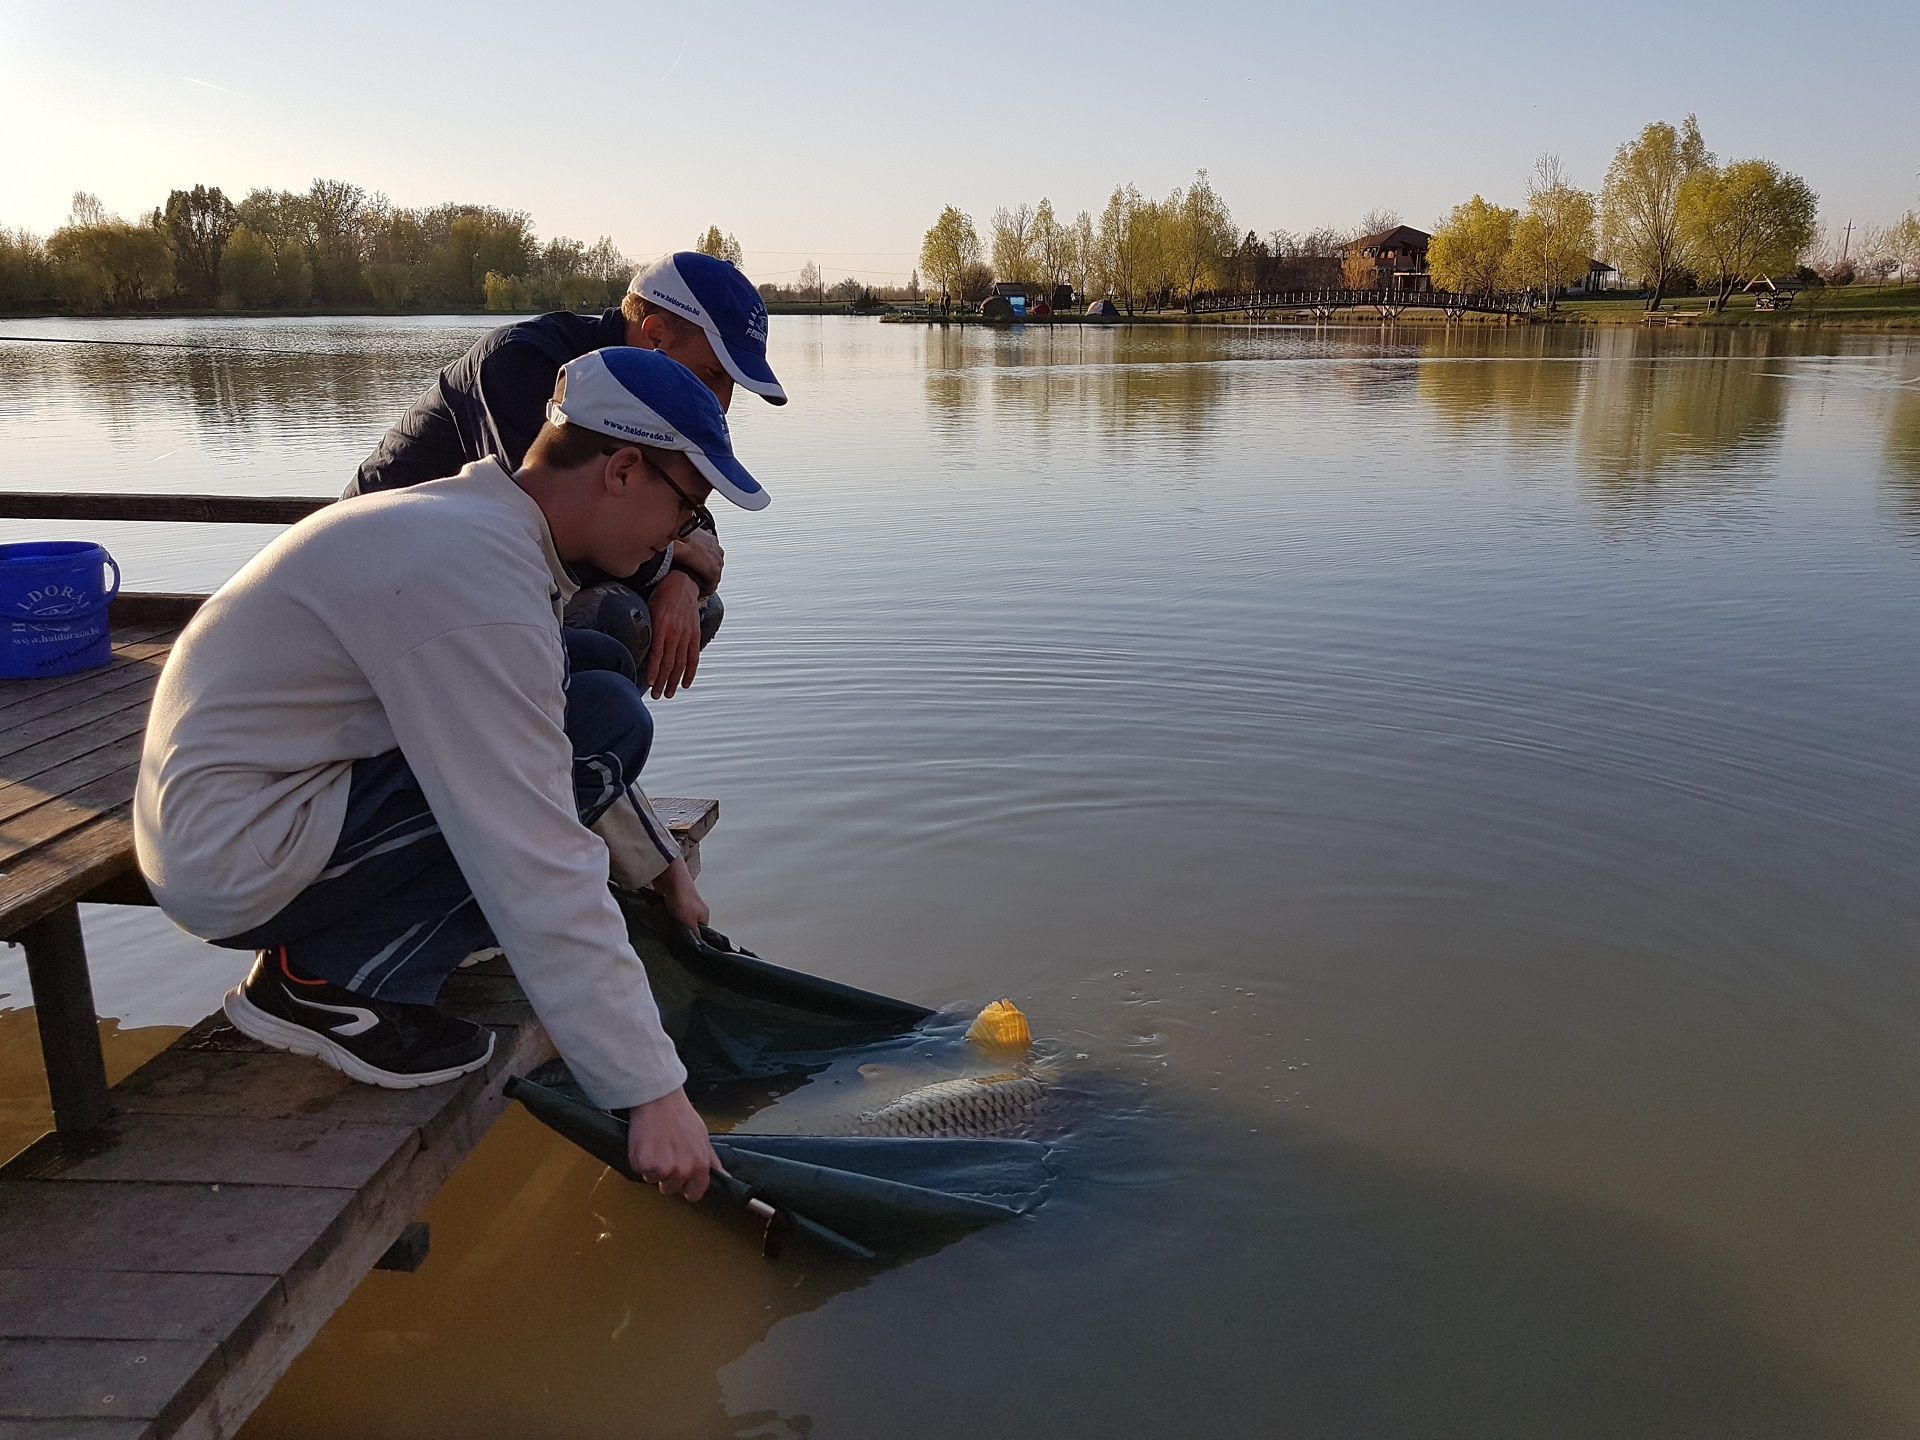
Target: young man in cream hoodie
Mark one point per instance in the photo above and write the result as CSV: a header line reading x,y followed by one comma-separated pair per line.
x,y
367,758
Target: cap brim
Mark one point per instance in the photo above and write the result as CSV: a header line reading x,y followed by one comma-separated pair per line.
x,y
730,478
749,370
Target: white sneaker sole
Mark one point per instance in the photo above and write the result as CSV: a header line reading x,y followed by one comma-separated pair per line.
x,y
250,1020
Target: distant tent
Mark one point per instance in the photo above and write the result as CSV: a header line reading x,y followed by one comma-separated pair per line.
x,y
997,310
1104,310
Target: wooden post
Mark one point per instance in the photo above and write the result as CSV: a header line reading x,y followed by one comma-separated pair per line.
x,y
69,1028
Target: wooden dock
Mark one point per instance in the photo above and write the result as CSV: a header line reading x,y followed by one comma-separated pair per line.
x,y
170,1248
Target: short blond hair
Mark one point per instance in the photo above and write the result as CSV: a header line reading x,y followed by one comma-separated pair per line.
x,y
635,309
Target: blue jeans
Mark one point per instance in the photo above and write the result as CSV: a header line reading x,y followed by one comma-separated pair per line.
x,y
391,916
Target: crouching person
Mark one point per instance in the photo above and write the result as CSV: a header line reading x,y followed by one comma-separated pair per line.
x,y
367,758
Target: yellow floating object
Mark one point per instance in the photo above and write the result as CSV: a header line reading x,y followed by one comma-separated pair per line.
x,y
1001,1026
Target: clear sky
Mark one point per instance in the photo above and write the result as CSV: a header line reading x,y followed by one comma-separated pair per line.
x,y
836,131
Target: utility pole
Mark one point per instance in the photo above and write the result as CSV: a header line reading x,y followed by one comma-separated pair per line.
x,y
1845,241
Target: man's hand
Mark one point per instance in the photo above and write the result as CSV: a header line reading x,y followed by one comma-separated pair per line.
x,y
675,608
701,556
675,886
667,1145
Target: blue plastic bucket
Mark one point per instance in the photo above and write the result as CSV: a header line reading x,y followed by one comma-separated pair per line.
x,y
53,608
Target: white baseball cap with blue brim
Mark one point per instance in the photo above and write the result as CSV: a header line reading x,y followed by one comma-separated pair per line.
x,y
721,301
647,398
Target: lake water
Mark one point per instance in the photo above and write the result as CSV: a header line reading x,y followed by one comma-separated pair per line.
x,y
1458,790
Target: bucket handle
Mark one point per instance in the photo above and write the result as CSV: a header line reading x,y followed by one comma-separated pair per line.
x,y
114,564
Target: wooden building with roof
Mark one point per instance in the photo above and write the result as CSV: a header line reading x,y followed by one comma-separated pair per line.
x,y
1399,257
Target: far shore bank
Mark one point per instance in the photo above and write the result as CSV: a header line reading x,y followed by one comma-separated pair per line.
x,y
1857,307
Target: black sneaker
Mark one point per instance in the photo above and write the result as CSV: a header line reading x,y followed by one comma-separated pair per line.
x,y
378,1042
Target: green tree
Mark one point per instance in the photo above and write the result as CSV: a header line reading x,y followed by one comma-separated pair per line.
x,y
1120,242
26,274
1013,257
1640,201
1086,272
247,270
109,264
277,221
1746,218
1469,251
329,214
1553,238
1200,237
720,247
1052,247
197,224
1903,243
948,248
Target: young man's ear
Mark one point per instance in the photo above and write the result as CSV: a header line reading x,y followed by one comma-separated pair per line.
x,y
654,331
623,470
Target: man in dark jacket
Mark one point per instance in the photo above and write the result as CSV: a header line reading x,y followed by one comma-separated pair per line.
x,y
492,401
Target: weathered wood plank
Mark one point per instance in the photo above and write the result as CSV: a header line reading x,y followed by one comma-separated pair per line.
x,y
56,815
63,779
189,509
133,607
213,1070
226,1151
125,653
59,874
101,1379
72,1428
131,1225
688,819
25,764
115,1305
97,682
84,707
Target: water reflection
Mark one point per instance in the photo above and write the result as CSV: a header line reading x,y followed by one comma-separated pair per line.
x,y
626,1310
1903,454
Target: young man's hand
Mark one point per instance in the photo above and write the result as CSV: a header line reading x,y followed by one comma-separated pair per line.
x,y
701,555
667,1145
675,886
674,608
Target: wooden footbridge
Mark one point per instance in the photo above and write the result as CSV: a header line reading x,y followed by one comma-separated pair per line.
x,y
1388,304
177,1239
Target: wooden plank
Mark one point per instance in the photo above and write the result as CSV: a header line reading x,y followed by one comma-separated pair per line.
x,y
115,1305
100,1379
54,816
131,1225
71,744
16,799
73,1428
189,509
687,819
128,651
225,1151
35,703
59,874
131,607
83,707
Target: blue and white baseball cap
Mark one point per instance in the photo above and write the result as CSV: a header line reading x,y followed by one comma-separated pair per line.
x,y
652,399
721,301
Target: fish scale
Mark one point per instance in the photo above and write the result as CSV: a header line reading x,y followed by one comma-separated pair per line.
x,y
972,1107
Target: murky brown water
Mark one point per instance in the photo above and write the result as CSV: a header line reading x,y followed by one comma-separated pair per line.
x,y
1458,790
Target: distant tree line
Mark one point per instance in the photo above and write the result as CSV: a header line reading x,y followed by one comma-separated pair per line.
x,y
330,247
1143,251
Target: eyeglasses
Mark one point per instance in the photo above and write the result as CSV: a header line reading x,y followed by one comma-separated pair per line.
x,y
699,517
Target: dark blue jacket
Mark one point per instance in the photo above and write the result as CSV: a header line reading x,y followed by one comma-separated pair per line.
x,y
491,401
